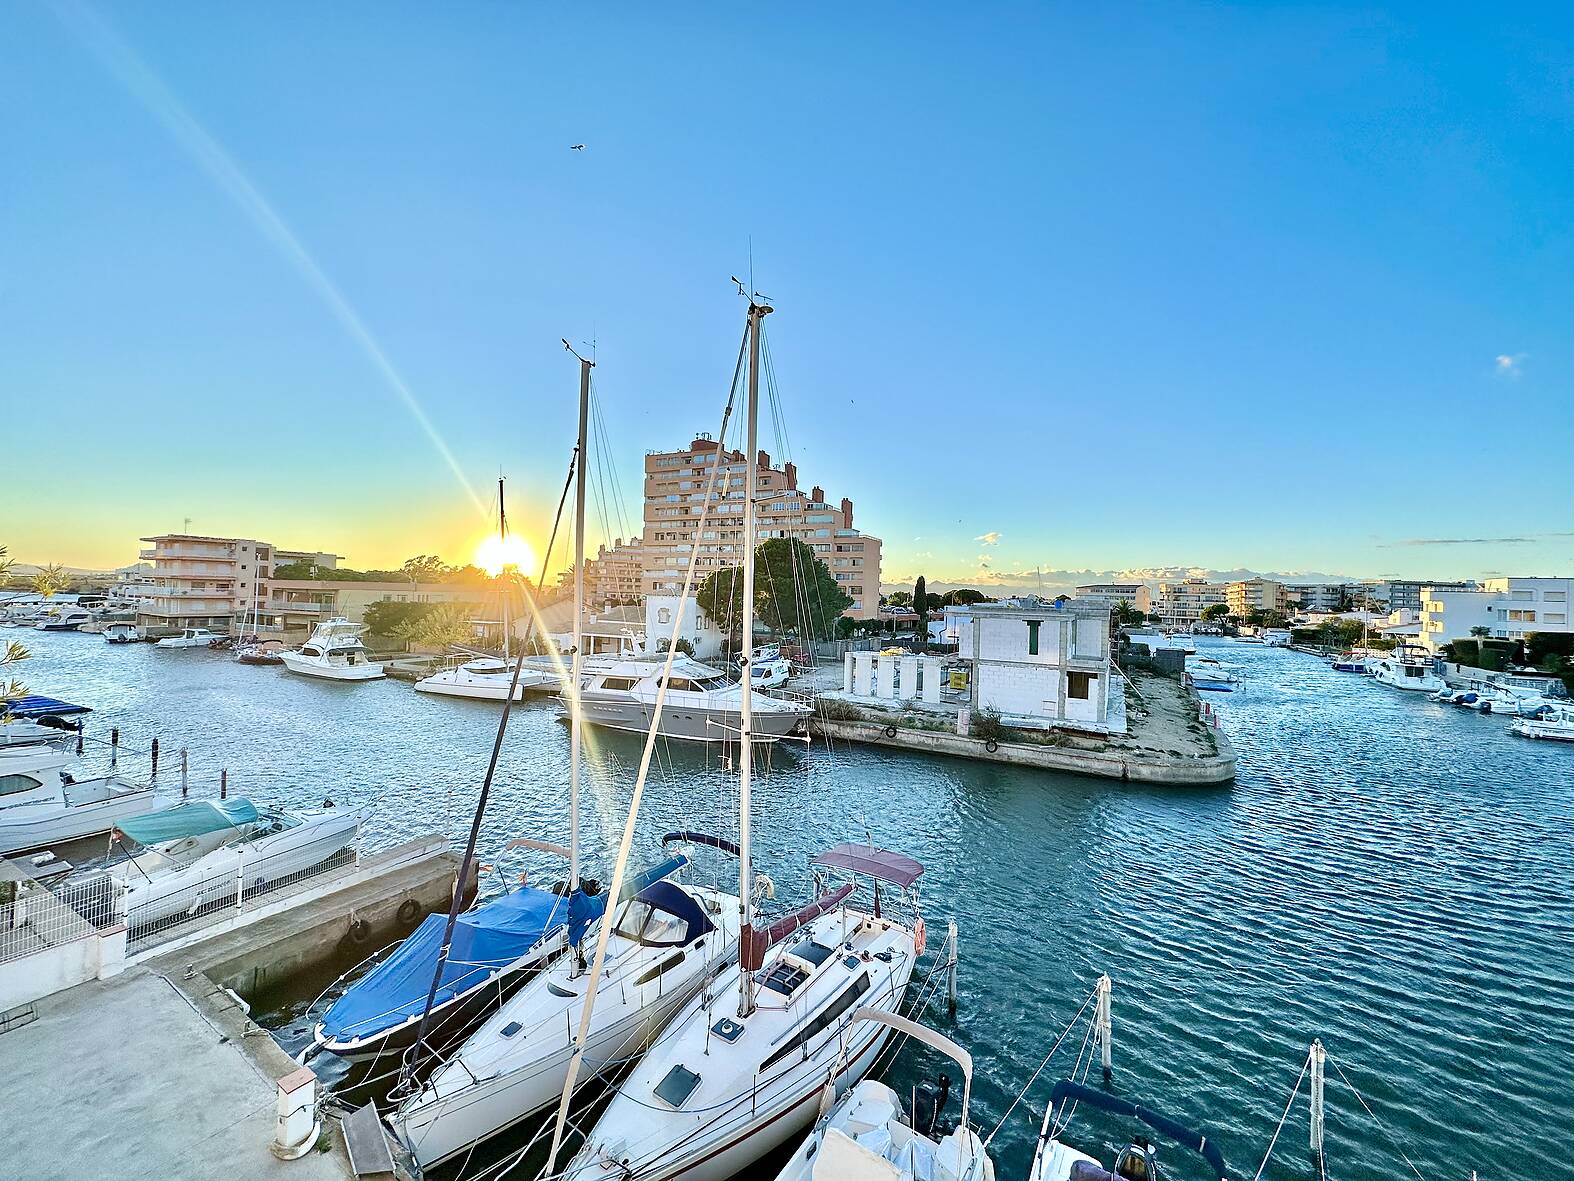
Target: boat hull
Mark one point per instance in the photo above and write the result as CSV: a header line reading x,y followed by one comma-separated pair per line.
x,y
78,820
485,688
688,723
308,667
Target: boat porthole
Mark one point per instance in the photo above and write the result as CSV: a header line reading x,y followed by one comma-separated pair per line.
x,y
890,731
991,746
408,909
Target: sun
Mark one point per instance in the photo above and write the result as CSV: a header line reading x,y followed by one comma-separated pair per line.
x,y
496,554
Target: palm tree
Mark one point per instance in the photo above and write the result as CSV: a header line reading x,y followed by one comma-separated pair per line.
x,y
12,653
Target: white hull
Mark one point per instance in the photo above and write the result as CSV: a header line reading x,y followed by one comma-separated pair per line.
x,y
311,667
484,687
1547,731
76,820
690,723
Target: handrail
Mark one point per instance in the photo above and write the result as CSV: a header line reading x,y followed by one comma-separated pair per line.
x,y
929,1037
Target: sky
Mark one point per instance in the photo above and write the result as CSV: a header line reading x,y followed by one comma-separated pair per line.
x,y
1066,288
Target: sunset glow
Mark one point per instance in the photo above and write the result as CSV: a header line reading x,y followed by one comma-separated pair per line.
x,y
496,554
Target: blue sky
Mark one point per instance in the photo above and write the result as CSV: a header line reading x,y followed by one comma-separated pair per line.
x,y
1080,288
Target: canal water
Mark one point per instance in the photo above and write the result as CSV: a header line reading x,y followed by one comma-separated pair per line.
x,y
1387,874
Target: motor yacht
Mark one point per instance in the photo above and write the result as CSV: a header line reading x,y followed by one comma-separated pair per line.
x,y
189,637
122,633
42,804
63,618
1206,673
1554,723
335,653
1407,667
702,703
186,857
485,678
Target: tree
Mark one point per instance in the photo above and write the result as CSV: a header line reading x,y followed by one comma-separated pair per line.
x,y
1215,611
13,652
1481,633
443,625
423,568
387,617
1126,615
964,596
793,592
920,601
845,626
50,579
899,599
684,647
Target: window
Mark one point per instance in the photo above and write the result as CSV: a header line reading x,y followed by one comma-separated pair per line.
x,y
643,923
826,1018
666,965
1554,596
1078,685
677,1086
1523,616
10,784
784,978
617,683
1554,617
1032,636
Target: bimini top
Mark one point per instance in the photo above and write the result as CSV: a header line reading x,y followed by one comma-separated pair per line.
x,y
1065,1090
35,706
188,820
486,939
584,909
872,862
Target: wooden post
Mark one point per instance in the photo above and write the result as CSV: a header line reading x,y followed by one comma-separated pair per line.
x,y
183,784
224,784
114,747
155,757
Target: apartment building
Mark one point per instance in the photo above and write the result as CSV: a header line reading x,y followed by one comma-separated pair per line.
x,y
1109,594
1256,594
1181,604
1402,594
614,575
1321,596
1509,608
675,484
211,582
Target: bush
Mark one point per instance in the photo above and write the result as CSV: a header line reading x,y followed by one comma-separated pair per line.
x,y
988,726
834,709
1548,648
1467,652
387,616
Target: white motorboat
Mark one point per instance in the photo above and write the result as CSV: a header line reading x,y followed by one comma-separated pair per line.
x,y
190,637
334,652
1276,637
1407,667
122,633
1160,641
65,617
1204,672
666,941
23,614
702,703
206,851
1554,723
484,678
1490,699
41,804
867,1134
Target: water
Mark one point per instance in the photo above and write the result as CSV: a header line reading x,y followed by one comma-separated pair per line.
x,y
1386,874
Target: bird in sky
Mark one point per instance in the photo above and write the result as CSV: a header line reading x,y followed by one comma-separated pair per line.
x,y
576,147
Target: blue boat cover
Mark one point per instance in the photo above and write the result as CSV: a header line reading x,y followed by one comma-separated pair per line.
x,y
35,706
188,820
1197,1141
584,909
489,937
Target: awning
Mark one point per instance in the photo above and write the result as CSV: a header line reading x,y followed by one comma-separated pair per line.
x,y
584,909
35,706
1199,1142
872,862
188,820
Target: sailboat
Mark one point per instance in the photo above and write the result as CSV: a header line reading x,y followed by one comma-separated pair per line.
x,y
488,678
728,1083
666,939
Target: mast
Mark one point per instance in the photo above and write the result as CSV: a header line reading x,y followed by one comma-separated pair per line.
x,y
502,553
579,629
757,313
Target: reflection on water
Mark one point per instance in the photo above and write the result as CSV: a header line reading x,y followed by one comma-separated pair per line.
x,y
1387,874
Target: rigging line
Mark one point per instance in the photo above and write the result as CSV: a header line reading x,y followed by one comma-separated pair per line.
x,y
1070,1025
1291,1103
1375,1120
646,755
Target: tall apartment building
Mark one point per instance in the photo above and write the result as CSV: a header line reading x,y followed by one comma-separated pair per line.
x,y
614,575
1402,594
1322,596
675,483
1256,594
209,582
1509,608
1181,604
1109,594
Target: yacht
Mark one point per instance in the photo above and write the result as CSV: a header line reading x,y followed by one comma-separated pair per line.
x,y
41,804
1407,667
190,637
63,618
122,633
485,678
202,852
1552,722
1204,672
867,1134
334,652
1055,1160
702,703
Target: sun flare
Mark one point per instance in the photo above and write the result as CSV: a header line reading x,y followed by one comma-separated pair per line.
x,y
496,554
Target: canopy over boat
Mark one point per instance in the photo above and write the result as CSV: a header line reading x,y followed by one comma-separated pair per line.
x,y
584,909
35,706
188,820
701,838
486,939
872,862
1197,1141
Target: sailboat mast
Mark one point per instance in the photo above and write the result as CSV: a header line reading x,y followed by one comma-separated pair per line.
x,y
757,313
579,629
502,550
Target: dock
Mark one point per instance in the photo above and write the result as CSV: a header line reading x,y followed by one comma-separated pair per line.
x,y
157,1068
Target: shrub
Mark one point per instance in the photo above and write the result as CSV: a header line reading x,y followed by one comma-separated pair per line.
x,y
988,726
834,709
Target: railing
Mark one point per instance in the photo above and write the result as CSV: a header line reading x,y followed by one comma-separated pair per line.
x,y
35,917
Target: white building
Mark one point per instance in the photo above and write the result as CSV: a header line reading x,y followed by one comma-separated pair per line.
x,y
1109,594
1509,608
1321,596
1181,604
1040,666
708,640
209,582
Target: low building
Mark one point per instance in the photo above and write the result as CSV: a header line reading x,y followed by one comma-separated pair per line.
x,y
1320,596
705,638
1181,604
1508,608
1256,594
212,582
1111,594
1041,666
300,604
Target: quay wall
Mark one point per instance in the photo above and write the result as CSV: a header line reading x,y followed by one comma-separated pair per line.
x,y
1127,766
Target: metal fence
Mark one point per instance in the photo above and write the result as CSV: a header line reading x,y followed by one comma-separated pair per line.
x,y
35,917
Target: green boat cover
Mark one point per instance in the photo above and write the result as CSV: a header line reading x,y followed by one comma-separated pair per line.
x,y
188,820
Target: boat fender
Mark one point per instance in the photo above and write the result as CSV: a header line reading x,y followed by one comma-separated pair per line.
x,y
1486,707
408,910
360,931
890,731
991,746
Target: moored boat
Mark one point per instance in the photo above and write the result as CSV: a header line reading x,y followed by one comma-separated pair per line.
x,y
334,652
42,804
702,703
189,637
1553,723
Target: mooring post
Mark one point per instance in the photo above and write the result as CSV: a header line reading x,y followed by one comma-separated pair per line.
x,y
950,968
183,786
224,784
1318,1054
114,747
80,727
1103,1029
155,757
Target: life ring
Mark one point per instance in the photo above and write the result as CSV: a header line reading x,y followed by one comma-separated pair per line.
x,y
408,909
360,931
920,938
991,745
890,731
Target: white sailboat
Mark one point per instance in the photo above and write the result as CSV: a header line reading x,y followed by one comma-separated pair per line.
x,y
726,1084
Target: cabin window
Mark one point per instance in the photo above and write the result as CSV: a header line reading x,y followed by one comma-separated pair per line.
x,y
676,1088
10,784
784,978
617,682
511,1029
1032,636
809,950
643,923
826,1018
666,965
682,683
1078,685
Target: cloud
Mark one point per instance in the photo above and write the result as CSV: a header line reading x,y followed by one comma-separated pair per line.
x,y
1414,541
1509,364
990,538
